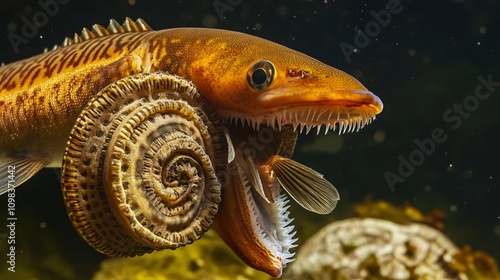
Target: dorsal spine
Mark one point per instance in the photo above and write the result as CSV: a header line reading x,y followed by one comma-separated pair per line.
x,y
99,31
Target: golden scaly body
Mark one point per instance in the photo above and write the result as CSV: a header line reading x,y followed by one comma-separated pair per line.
x,y
244,78
41,96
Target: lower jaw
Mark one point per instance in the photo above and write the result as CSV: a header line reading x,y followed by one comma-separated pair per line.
x,y
235,225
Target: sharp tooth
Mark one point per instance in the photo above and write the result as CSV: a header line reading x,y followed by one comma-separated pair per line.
x,y
318,128
287,230
308,128
277,122
341,126
291,245
287,222
302,127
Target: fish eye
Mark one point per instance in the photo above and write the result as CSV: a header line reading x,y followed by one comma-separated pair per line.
x,y
261,74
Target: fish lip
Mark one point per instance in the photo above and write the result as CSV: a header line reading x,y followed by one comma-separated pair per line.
x,y
353,98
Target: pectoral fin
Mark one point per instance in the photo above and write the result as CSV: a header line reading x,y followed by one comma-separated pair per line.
x,y
16,169
306,186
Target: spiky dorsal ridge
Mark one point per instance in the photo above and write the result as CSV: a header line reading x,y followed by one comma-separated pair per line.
x,y
99,31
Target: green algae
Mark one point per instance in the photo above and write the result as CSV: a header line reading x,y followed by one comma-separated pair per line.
x,y
206,259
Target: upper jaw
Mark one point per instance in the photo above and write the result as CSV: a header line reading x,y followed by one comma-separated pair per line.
x,y
345,110
303,96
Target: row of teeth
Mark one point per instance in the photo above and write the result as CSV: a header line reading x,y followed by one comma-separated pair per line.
x,y
342,125
309,119
284,231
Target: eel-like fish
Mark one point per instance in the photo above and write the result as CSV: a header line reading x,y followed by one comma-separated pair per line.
x,y
249,81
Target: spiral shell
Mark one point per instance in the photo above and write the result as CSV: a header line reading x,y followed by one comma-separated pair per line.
x,y
139,169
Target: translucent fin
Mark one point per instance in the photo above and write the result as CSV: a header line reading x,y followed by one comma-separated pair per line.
x,y
16,169
305,185
245,161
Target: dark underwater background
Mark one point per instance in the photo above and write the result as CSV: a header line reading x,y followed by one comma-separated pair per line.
x,y
426,61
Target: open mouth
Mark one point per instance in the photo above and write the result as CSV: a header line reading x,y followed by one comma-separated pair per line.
x,y
259,175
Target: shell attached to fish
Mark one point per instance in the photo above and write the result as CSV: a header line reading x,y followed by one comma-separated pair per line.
x,y
139,169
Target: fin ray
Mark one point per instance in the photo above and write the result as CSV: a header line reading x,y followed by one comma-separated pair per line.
x,y
306,186
15,170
